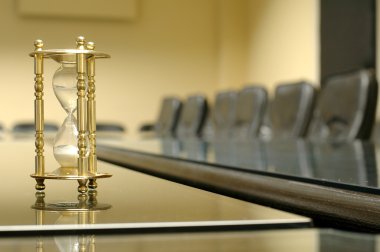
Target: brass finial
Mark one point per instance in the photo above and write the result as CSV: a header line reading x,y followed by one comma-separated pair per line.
x,y
38,44
80,42
90,45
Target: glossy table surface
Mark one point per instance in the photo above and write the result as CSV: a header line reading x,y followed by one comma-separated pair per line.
x,y
128,200
346,165
295,240
335,184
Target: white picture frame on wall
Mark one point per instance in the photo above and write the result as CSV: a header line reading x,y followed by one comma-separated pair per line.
x,y
82,9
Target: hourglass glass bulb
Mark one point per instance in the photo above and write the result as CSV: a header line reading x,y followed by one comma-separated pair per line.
x,y
65,86
65,143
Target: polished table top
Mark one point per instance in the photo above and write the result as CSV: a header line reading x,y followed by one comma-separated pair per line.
x,y
127,201
295,240
350,165
330,182
145,213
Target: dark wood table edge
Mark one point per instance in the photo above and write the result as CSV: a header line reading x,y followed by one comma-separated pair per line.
x,y
327,206
131,229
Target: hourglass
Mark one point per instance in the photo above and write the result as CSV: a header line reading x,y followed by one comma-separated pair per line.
x,y
74,87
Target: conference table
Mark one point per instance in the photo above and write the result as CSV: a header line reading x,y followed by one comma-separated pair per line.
x,y
335,184
191,195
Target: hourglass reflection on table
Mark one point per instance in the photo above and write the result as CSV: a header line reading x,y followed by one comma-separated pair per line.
x,y
74,87
82,213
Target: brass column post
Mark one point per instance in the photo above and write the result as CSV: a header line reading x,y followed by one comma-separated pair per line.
x,y
81,114
39,113
91,109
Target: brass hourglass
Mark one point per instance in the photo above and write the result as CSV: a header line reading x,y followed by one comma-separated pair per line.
x,y
74,87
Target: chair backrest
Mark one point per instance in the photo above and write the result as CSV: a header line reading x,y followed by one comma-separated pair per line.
x,y
27,130
109,127
28,127
346,107
192,117
224,114
108,130
168,118
250,110
291,110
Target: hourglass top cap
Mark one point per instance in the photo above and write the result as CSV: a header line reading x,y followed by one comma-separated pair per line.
x,y
80,39
80,42
38,44
68,55
90,45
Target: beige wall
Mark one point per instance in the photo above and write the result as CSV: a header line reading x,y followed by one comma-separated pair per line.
x,y
267,41
233,43
283,41
170,48
173,47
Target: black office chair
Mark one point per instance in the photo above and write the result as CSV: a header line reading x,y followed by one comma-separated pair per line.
x,y
109,127
224,114
27,130
108,130
3,131
250,110
168,118
291,110
192,117
208,131
265,132
346,107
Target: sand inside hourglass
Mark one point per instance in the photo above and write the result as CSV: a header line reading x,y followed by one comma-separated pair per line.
x,y
66,155
67,97
65,147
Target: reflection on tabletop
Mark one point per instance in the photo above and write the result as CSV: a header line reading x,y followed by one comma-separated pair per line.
x,y
135,197
80,213
83,211
347,163
315,240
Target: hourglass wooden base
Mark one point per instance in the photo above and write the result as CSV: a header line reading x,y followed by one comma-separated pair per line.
x,y
81,88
